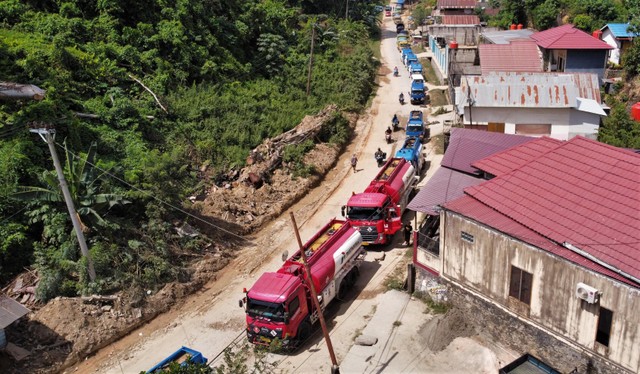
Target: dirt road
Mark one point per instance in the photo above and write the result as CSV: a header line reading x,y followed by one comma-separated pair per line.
x,y
211,320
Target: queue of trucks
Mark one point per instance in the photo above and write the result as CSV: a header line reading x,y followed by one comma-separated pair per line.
x,y
279,305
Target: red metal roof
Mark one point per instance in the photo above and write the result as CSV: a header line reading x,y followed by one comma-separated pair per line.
x,y
474,209
513,158
568,37
467,146
456,4
445,185
583,192
519,56
461,20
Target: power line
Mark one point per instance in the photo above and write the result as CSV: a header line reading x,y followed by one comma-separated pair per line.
x,y
154,197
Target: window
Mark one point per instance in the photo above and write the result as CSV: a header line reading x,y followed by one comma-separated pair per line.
x,y
533,129
604,326
520,285
293,306
467,237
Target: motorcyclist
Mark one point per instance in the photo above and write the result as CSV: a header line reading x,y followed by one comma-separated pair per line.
x,y
388,131
379,155
395,71
395,120
401,97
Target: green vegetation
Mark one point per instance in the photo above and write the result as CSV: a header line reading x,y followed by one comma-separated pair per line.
x,y
161,89
433,306
438,98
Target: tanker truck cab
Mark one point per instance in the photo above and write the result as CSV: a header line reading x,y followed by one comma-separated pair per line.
x,y
271,313
377,211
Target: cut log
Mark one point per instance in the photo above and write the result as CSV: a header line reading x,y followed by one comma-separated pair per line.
x,y
97,298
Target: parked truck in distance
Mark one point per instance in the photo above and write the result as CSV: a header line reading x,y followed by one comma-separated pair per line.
x,y
279,304
418,95
377,212
415,126
412,151
183,356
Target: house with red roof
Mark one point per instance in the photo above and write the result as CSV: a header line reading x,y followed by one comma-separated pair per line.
x,y
520,55
546,253
568,49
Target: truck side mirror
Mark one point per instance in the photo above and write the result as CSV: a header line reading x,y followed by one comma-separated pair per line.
x,y
343,210
241,303
285,255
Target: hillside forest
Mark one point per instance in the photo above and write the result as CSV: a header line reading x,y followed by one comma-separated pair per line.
x,y
154,101
226,75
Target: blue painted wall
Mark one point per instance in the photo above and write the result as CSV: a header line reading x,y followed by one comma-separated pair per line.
x,y
586,61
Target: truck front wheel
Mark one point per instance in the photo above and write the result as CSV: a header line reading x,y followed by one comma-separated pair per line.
x,y
304,332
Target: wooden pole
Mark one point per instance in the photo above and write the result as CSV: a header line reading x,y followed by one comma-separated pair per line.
x,y
335,368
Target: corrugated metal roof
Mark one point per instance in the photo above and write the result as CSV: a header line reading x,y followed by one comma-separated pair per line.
x,y
445,185
534,90
474,209
590,106
582,192
568,37
515,157
517,56
460,20
467,146
620,30
456,4
506,36
10,311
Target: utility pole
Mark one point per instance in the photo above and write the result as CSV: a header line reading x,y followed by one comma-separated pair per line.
x,y
47,133
346,12
335,369
313,40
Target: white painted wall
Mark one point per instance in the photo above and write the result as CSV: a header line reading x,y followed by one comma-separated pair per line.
x,y
565,122
614,54
484,267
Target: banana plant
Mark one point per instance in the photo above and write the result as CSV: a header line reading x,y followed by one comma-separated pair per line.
x,y
84,181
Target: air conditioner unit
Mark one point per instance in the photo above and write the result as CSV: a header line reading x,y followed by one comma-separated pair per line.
x,y
587,293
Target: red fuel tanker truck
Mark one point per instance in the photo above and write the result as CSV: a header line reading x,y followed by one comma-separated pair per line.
x,y
279,304
377,212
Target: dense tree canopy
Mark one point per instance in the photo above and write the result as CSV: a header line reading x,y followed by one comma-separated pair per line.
x,y
225,75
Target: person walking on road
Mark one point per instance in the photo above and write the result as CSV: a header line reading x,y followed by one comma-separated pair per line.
x,y
407,231
354,162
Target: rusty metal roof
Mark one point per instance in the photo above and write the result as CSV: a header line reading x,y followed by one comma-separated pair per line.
x,y
517,56
10,311
568,37
456,4
533,90
460,20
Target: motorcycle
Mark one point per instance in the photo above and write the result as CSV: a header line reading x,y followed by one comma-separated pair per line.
x,y
395,122
401,99
387,137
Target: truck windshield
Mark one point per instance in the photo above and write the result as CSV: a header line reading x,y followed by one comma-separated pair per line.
x,y
414,128
360,213
272,311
